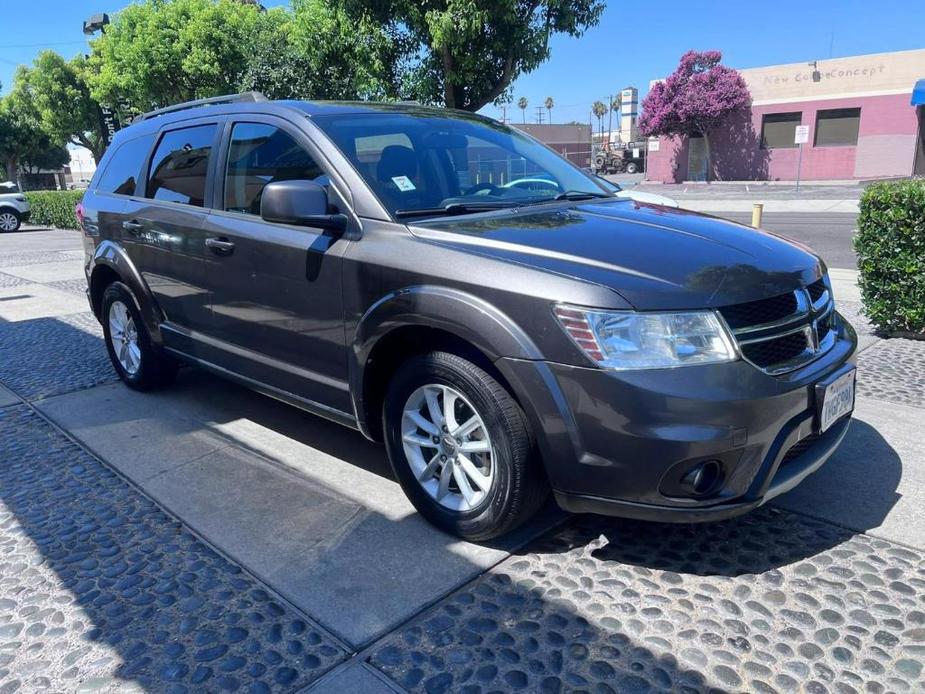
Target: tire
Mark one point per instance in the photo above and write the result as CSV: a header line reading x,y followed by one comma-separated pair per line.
x,y
600,162
632,167
517,486
142,365
10,220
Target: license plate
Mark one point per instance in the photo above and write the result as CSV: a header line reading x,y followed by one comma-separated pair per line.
x,y
837,400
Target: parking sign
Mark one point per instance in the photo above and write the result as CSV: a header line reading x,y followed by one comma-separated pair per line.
x,y
801,135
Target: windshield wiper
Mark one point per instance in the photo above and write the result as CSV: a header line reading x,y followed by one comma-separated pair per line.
x,y
453,208
580,195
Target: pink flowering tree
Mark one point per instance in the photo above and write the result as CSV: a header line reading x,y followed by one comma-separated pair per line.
x,y
695,99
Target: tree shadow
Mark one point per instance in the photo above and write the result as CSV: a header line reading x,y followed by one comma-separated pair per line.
x,y
737,153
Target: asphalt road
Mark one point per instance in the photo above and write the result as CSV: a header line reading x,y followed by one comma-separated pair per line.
x,y
828,233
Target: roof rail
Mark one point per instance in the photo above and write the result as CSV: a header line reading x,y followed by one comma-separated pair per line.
x,y
244,97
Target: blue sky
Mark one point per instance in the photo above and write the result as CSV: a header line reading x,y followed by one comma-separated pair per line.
x,y
630,46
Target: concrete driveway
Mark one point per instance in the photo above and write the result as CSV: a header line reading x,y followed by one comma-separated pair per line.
x,y
209,538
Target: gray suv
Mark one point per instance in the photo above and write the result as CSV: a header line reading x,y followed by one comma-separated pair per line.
x,y
372,264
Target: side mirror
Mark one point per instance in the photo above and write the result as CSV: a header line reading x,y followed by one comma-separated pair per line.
x,y
302,203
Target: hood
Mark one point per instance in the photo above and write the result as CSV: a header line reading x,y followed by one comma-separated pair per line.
x,y
654,257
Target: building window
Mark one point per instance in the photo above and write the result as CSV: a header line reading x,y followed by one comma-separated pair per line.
x,y
778,129
837,127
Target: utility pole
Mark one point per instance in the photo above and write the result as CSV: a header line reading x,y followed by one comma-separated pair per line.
x,y
609,119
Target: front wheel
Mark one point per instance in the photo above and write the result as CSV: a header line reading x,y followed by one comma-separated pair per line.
x,y
632,167
459,445
9,220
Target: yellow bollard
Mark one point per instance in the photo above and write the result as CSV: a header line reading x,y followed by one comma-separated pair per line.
x,y
757,209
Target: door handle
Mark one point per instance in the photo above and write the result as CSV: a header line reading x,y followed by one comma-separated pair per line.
x,y
132,227
220,245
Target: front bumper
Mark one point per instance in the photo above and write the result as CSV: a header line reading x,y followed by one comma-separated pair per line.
x,y
617,443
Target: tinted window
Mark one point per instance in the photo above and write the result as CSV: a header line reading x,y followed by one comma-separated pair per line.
x,y
779,129
837,126
260,154
179,166
122,171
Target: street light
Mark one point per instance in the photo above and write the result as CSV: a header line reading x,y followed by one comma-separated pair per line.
x,y
95,23
817,76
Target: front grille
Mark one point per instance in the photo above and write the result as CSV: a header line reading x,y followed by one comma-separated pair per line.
x,y
762,311
817,289
768,353
784,332
798,449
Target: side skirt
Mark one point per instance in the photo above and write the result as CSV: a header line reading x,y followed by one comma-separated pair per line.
x,y
310,406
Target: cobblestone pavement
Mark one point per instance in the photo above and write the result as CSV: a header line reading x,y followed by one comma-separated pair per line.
x,y
50,356
770,602
101,590
894,370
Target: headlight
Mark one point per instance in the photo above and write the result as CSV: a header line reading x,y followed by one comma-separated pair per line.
x,y
630,340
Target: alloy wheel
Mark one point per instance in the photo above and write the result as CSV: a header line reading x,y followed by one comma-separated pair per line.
x,y
123,335
8,221
448,447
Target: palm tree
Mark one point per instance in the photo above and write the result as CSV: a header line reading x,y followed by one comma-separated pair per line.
x,y
549,103
599,110
522,105
615,104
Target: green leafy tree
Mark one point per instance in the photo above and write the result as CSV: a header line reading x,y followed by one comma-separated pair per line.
x,y
23,142
522,105
160,52
466,53
322,51
549,103
59,95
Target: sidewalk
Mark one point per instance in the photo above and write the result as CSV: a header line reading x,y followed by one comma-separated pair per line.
x,y
770,205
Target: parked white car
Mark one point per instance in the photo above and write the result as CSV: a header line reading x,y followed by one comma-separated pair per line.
x,y
14,208
542,185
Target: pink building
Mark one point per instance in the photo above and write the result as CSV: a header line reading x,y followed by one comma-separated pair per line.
x,y
863,119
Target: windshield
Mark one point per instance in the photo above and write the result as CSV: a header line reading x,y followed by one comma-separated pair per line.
x,y
424,163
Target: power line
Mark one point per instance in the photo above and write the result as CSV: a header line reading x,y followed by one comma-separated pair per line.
x,y
38,45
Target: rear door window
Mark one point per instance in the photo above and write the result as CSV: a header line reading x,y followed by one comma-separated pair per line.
x,y
122,171
180,165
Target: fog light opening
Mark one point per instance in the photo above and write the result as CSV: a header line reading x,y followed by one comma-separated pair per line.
x,y
703,478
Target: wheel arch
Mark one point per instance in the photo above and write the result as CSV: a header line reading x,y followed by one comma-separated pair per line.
x,y
110,264
422,319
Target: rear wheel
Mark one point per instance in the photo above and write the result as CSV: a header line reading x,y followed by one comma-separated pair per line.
x,y
459,445
632,167
139,363
9,220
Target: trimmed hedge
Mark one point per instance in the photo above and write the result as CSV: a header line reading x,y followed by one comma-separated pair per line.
x,y
54,207
891,255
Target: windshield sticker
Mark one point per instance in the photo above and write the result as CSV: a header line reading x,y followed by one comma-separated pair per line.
x,y
403,183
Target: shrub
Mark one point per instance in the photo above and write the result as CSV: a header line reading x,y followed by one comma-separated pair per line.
x,y
891,255
54,207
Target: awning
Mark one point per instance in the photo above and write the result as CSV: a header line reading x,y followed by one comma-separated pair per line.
x,y
918,93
